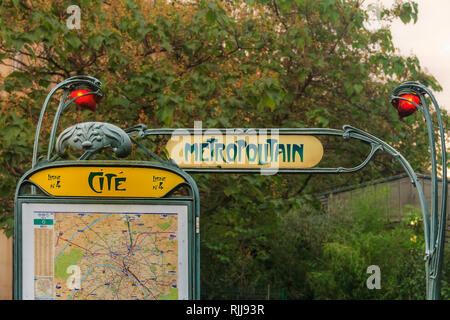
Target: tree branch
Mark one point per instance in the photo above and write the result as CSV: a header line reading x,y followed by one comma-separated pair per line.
x,y
277,12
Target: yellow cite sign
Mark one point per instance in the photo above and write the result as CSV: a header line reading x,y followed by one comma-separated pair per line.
x,y
93,181
245,151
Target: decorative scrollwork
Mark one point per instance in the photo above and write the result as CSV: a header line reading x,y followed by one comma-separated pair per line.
x,y
92,137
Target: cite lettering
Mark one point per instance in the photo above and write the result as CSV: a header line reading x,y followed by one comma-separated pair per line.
x,y
96,182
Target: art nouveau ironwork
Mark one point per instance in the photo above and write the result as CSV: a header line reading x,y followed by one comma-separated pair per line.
x,y
93,137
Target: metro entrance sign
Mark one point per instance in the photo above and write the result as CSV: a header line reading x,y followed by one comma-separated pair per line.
x,y
114,181
249,149
119,229
105,231
111,229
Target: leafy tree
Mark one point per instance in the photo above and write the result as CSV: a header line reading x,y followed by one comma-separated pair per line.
x,y
277,63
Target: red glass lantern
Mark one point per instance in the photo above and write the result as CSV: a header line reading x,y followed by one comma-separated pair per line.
x,y
89,101
406,108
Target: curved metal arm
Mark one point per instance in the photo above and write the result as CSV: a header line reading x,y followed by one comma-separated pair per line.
x,y
348,132
66,85
362,135
143,132
410,87
61,108
438,221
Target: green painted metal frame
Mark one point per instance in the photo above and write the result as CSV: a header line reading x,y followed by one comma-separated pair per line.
x,y
438,218
192,202
95,85
434,224
348,132
67,86
432,255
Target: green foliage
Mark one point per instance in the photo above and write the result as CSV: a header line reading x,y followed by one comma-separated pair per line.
x,y
313,255
368,238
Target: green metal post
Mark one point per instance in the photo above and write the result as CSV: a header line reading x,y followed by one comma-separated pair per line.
x,y
438,218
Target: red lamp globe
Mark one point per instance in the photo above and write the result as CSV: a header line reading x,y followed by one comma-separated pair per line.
x,y
406,108
89,101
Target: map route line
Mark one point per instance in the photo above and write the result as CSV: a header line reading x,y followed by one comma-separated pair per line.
x,y
128,270
95,289
129,232
89,271
148,233
73,243
106,244
126,274
78,231
121,256
134,278
118,286
147,264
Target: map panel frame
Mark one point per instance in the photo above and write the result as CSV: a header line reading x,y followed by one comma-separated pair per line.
x,y
187,253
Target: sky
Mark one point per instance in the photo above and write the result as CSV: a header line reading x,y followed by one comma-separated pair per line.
x,y
429,40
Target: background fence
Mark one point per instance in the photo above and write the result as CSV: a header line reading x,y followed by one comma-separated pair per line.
x,y
401,195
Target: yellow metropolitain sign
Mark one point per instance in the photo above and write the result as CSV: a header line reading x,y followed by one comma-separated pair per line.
x,y
98,181
245,151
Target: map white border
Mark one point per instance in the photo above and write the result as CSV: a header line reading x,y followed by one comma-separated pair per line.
x,y
28,236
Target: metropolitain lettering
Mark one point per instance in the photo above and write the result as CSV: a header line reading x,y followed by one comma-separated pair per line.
x,y
241,151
